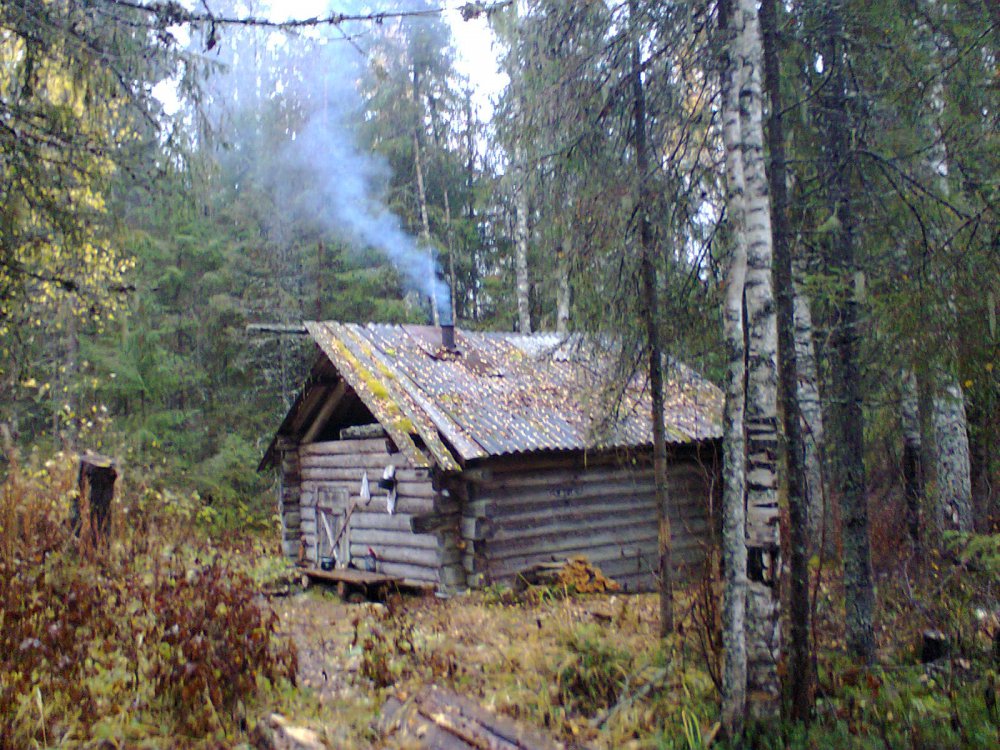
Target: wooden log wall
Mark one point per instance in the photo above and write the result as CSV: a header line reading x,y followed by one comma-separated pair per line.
x,y
334,470
519,514
288,499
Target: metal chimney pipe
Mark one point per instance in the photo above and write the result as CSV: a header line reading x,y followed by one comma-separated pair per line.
x,y
448,336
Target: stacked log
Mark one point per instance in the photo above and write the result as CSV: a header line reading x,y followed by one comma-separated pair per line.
x,y
576,574
417,542
521,512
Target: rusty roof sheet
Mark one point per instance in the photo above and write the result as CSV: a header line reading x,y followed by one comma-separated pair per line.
x,y
505,393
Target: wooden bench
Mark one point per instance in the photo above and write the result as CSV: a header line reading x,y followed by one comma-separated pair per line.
x,y
353,585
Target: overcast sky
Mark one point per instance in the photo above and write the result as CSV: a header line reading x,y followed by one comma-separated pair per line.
x,y
474,40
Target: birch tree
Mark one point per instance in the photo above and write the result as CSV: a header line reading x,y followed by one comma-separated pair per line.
x,y
761,418
734,547
953,506
811,410
751,579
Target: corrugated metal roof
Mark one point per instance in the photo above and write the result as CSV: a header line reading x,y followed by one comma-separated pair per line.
x,y
504,393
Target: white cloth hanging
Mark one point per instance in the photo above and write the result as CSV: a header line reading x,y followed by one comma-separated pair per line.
x,y
366,493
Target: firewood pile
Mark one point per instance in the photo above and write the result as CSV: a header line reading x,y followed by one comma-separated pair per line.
x,y
577,574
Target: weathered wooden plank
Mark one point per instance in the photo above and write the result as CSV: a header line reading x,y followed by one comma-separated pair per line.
x,y
377,537
529,476
333,398
428,523
428,558
409,573
344,447
600,490
565,545
349,575
476,528
557,528
585,512
513,560
378,520
465,725
317,482
404,505
369,461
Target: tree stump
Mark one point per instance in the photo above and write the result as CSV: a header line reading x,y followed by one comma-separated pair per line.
x,y
91,513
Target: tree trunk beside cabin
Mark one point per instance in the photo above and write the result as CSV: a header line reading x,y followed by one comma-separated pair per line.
x,y
522,285
425,225
563,290
913,451
763,624
819,512
651,321
848,423
800,667
734,546
953,482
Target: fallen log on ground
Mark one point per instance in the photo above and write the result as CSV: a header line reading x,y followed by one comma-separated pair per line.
x,y
438,719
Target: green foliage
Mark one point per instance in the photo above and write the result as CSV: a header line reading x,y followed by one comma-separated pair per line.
x,y
593,671
976,552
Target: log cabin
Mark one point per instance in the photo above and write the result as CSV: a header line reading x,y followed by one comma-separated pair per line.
x,y
452,459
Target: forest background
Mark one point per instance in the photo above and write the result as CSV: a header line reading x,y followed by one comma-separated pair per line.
x,y
310,171
134,262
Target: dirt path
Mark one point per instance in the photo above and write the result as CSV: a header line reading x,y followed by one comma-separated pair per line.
x,y
328,698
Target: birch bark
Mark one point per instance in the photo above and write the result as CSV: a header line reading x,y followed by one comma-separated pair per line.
x,y
810,407
734,549
951,457
953,509
763,632
563,291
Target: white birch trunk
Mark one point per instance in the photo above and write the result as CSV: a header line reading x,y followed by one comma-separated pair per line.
x,y
812,421
563,291
953,508
951,457
734,548
523,287
763,633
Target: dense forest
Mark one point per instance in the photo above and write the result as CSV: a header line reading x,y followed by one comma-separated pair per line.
x,y
799,200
